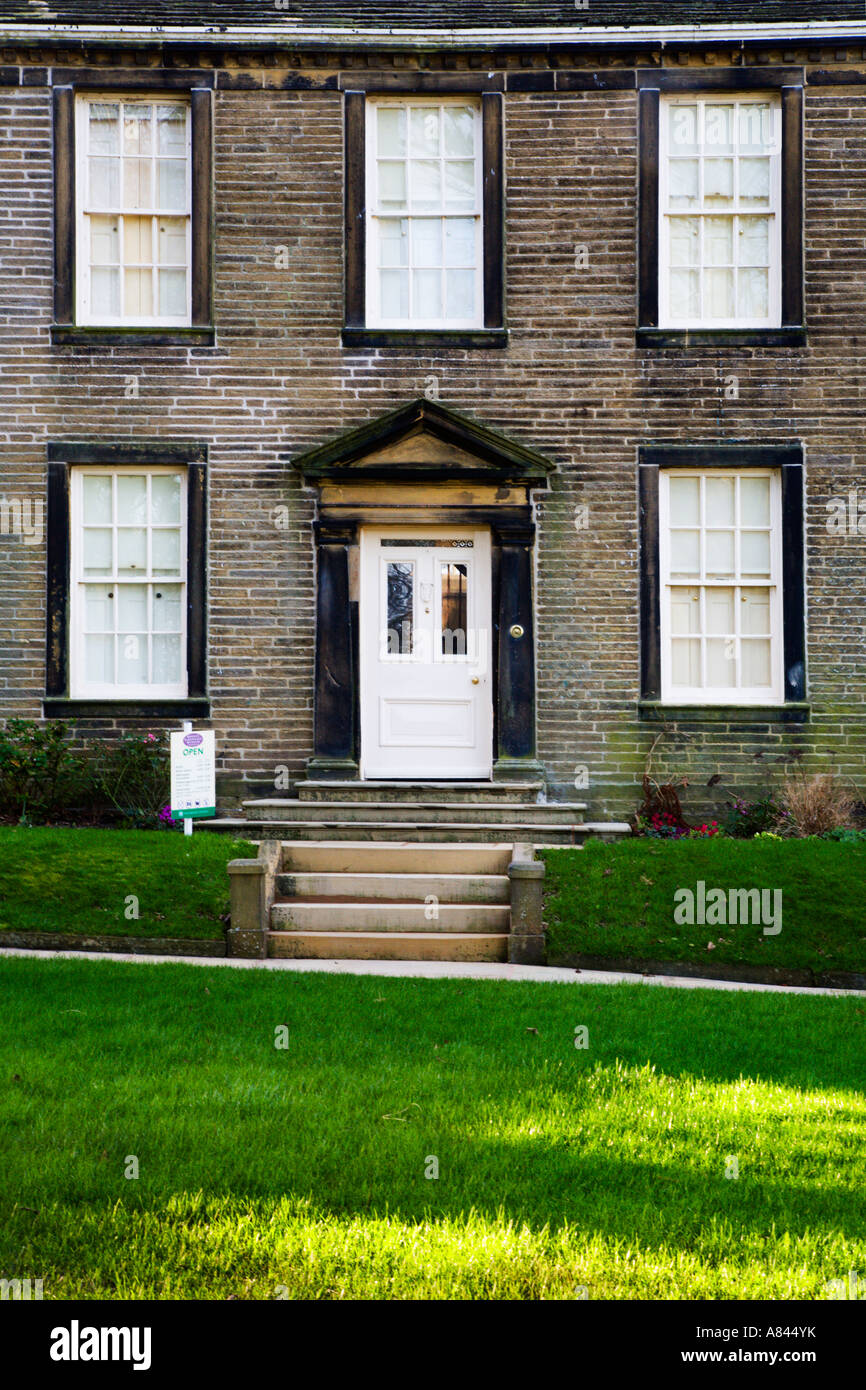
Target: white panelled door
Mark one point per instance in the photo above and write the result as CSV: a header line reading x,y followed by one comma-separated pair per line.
x,y
425,638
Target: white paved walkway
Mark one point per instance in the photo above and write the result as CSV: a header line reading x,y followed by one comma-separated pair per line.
x,y
439,970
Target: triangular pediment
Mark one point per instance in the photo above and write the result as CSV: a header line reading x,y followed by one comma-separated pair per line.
x,y
427,441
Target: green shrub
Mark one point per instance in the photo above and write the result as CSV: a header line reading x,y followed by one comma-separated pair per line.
x,y
40,775
135,777
744,819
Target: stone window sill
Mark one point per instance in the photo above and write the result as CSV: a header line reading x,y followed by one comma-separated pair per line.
x,y
794,712
794,336
424,338
74,335
59,707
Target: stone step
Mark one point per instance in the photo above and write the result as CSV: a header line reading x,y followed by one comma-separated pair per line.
x,y
335,916
372,812
394,857
397,887
439,832
414,792
371,945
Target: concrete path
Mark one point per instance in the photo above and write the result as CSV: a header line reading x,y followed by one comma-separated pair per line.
x,y
439,970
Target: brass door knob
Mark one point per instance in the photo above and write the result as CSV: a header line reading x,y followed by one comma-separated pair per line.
x,y
475,680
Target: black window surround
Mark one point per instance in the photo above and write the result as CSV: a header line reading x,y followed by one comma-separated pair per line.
x,y
188,454
355,331
65,330
652,84
788,458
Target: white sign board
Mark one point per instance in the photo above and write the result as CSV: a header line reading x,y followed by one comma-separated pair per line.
x,y
193,775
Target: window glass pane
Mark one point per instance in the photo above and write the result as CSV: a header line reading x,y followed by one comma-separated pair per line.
x,y
685,494
392,185
685,552
460,294
685,241
105,292
424,130
460,241
172,293
131,499
755,552
720,552
132,659
104,127
97,499
394,288
754,241
754,294
137,130
131,551
426,183
400,585
686,662
104,190
685,294
718,180
459,184
756,664
684,183
427,241
719,605
393,241
721,668
99,660
427,294
683,129
719,294
455,614
719,241
719,128
755,612
755,180
685,610
720,501
98,608
132,608
166,660
138,293
755,126
104,241
167,608
165,552
164,498
171,184
459,128
172,240
97,551
391,132
755,501
171,130
137,190
137,239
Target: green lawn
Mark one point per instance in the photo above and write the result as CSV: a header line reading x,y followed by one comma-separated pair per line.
x,y
618,900
301,1172
83,880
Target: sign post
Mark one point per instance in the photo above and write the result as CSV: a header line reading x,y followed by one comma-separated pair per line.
x,y
193,776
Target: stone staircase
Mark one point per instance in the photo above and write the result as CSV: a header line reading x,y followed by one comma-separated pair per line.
x,y
372,900
399,871
426,812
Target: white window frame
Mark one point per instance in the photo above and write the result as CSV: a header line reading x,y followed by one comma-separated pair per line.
x,y
79,688
83,213
773,212
772,694
373,298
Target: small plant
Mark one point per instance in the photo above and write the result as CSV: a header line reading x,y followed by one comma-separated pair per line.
x,y
135,777
745,819
816,805
39,772
710,831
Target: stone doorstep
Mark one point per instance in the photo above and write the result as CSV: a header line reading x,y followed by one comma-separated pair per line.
x,y
390,917
394,886
372,812
555,836
394,791
418,946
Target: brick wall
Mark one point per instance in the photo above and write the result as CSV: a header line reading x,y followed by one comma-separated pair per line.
x,y
572,384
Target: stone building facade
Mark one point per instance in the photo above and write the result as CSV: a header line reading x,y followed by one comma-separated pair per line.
x,y
574,412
